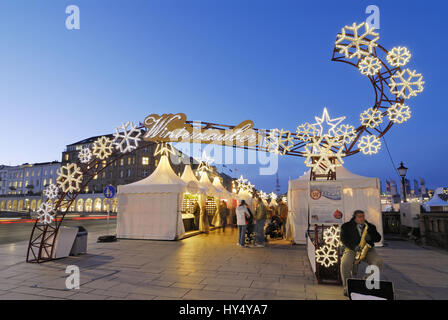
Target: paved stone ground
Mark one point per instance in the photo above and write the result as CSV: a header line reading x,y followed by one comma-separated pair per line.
x,y
206,267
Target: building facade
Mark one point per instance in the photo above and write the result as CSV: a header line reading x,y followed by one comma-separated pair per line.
x,y
27,179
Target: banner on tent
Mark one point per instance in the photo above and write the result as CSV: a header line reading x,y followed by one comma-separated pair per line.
x,y
325,202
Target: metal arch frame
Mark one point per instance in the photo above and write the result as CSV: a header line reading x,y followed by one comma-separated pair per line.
x,y
41,246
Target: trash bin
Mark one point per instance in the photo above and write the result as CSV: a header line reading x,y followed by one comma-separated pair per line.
x,y
80,244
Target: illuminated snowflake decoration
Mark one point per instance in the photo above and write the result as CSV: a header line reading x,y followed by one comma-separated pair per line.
x,y
327,256
345,133
398,56
399,113
85,155
241,182
279,141
354,42
406,84
371,118
69,178
273,196
332,236
319,154
263,195
51,192
102,148
369,66
127,140
369,145
307,131
45,213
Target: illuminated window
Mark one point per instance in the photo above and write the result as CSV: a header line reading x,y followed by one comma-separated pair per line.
x,y
104,163
95,177
66,157
129,161
121,162
145,161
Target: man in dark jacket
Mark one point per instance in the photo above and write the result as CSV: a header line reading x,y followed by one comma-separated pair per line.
x,y
351,237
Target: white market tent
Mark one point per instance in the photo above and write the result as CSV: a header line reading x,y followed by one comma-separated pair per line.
x,y
151,208
222,192
359,192
436,203
193,185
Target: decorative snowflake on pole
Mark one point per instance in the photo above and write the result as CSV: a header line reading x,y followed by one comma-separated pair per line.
x,y
369,66
332,236
279,141
263,195
51,192
85,155
69,178
353,42
127,140
399,113
45,213
306,132
102,148
273,196
371,118
398,56
369,145
327,256
406,84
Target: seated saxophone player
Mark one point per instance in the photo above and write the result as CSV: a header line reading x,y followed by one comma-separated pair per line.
x,y
358,237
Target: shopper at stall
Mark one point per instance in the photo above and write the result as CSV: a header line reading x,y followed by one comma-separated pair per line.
x,y
260,218
242,214
223,214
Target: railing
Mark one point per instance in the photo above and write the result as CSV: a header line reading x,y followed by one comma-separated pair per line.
x,y
434,229
391,223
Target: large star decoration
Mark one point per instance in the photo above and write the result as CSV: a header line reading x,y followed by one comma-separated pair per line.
x,y
164,149
326,121
205,163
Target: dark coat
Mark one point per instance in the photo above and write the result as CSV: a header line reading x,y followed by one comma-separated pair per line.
x,y
350,237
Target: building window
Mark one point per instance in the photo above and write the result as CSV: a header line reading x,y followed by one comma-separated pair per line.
x,y
121,174
145,173
121,162
66,157
95,177
145,161
129,172
129,161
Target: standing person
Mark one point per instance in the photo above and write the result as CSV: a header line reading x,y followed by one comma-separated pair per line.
x,y
197,213
283,212
241,215
352,233
223,213
260,217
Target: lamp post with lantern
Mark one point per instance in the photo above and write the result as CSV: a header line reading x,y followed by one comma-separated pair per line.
x,y
402,170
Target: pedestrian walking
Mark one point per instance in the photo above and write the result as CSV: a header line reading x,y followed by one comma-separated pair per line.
x,y
223,214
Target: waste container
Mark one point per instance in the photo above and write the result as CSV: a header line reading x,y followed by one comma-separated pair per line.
x,y
80,244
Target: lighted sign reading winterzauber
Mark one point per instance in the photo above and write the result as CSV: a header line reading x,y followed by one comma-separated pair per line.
x,y
173,128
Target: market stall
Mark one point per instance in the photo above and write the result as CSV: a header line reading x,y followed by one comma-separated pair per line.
x,y
190,202
151,208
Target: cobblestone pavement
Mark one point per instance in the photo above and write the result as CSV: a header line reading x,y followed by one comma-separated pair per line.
x,y
205,267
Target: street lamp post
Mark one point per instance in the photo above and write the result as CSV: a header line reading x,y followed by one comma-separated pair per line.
x,y
402,170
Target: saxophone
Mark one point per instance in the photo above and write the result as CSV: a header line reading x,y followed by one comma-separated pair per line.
x,y
363,246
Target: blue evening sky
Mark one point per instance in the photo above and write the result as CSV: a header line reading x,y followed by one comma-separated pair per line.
x,y
221,61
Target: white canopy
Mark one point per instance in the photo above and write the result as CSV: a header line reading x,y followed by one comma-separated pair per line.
x,y
193,185
163,179
151,208
436,201
207,184
223,193
358,192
